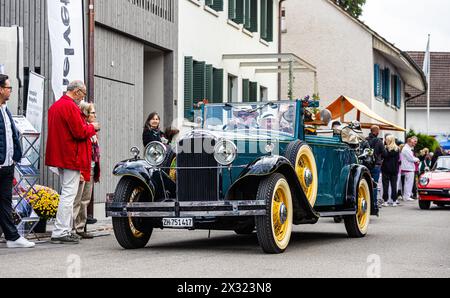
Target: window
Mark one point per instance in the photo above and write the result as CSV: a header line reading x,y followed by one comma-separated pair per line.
x,y
386,85
201,81
245,90
232,88
263,94
397,91
217,5
253,91
267,20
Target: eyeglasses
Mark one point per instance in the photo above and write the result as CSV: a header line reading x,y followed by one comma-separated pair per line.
x,y
84,93
10,88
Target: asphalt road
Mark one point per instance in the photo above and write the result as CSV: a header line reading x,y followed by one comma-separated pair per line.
x,y
404,242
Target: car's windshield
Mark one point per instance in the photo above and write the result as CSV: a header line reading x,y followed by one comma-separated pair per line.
x,y
443,164
270,118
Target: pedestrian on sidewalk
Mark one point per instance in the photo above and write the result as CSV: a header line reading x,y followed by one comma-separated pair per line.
x,y
87,179
390,170
409,162
378,147
10,153
152,131
67,150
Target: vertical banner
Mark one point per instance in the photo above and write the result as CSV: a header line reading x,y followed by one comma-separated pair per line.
x,y
35,111
65,26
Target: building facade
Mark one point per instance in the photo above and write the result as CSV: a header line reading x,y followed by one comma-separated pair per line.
x,y
351,59
439,97
209,30
135,70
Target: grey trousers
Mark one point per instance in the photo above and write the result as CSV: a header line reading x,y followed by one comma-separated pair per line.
x,y
81,204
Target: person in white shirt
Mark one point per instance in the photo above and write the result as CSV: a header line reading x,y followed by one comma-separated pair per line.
x,y
408,167
10,153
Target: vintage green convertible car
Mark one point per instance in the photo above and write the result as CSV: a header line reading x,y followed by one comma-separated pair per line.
x,y
248,167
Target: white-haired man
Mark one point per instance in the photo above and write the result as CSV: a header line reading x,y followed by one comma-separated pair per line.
x,y
67,150
408,167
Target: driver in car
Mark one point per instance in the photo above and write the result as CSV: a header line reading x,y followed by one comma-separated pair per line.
x,y
243,120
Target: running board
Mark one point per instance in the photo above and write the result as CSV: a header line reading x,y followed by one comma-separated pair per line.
x,y
336,213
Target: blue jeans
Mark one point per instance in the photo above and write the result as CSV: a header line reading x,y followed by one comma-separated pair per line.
x,y
376,177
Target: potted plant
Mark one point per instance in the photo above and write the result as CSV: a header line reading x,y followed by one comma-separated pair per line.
x,y
44,202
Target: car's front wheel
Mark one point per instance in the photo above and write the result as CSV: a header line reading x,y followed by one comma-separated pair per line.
x,y
131,232
424,205
357,225
275,228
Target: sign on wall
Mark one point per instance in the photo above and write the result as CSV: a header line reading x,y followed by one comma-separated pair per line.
x,y
65,26
35,102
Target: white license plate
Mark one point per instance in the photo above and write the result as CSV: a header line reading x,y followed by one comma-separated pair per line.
x,y
178,222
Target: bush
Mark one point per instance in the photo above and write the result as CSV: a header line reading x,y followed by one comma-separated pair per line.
x,y
425,141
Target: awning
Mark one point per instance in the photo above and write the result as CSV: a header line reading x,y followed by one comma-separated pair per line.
x,y
344,105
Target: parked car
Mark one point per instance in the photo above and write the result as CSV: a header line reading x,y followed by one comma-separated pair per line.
x,y
248,167
434,186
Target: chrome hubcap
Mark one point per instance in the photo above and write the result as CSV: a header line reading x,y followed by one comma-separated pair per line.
x,y
308,176
283,213
364,206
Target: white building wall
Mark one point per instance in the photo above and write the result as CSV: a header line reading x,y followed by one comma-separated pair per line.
x,y
341,50
207,35
439,120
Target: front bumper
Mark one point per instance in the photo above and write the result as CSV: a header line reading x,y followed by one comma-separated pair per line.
x,y
436,195
186,209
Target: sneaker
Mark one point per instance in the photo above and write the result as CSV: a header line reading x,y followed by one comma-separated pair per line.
x,y
86,235
400,198
395,204
75,236
20,243
410,200
68,239
385,204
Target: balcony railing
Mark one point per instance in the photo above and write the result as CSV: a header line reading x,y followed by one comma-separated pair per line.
x,y
164,9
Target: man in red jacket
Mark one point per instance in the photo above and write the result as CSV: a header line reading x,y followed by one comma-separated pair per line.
x,y
67,150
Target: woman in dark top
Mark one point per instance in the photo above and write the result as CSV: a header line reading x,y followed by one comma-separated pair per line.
x,y
152,133
390,170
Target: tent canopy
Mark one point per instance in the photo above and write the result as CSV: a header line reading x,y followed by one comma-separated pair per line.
x,y
344,105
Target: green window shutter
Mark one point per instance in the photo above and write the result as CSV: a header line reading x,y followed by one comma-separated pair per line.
x,y
239,18
245,90
377,83
263,19
217,5
232,9
209,82
253,92
267,20
388,85
188,87
199,81
247,14
254,16
399,92
209,3
218,86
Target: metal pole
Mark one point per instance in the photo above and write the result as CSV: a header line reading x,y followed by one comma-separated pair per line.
x,y
91,88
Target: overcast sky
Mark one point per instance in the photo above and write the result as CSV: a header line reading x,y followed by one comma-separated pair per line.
x,y
407,23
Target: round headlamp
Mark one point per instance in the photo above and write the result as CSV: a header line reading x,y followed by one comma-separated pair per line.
x,y
424,181
225,152
155,153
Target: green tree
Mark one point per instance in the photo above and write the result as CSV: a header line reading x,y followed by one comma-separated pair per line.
x,y
354,7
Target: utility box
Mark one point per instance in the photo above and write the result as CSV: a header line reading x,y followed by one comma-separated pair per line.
x,y
11,63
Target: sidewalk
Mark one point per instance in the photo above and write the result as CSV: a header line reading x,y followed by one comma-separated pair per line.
x,y
100,229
